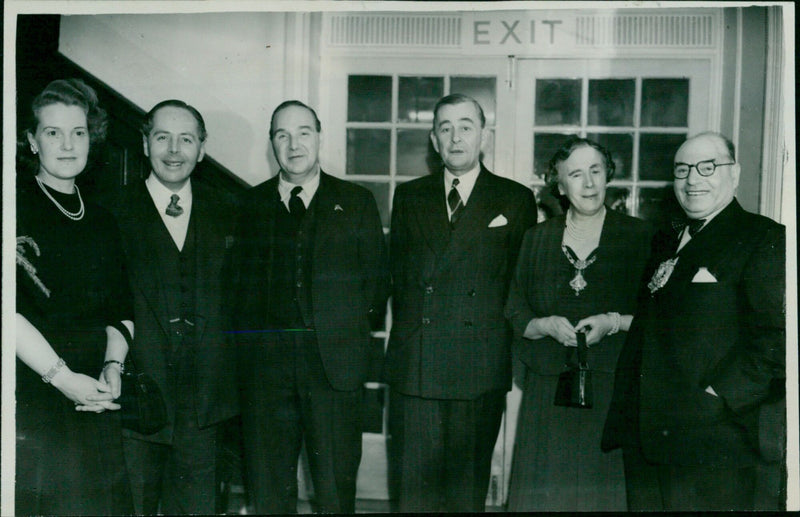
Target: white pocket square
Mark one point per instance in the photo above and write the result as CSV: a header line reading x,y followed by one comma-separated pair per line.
x,y
498,221
703,276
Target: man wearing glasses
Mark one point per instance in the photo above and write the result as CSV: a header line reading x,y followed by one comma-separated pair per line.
x,y
697,406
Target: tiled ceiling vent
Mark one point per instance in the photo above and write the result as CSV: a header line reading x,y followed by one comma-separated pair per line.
x,y
645,30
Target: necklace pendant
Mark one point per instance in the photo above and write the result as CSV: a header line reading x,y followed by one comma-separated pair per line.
x,y
578,283
662,274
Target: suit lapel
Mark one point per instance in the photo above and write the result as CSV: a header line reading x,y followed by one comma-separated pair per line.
x,y
272,203
431,214
708,247
154,237
476,216
326,200
209,251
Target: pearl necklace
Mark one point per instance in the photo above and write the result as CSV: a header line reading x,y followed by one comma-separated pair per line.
x,y
586,230
76,216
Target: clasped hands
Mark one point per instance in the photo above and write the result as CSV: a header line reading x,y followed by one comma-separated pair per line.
x,y
90,394
559,328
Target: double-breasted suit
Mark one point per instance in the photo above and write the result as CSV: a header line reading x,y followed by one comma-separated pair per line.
x,y
449,338
719,321
304,347
161,291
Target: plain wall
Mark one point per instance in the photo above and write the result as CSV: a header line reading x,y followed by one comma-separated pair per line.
x,y
750,108
228,65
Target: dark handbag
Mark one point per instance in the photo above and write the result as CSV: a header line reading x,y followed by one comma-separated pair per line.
x,y
143,409
574,388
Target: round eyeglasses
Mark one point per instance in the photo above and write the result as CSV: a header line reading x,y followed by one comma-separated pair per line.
x,y
704,168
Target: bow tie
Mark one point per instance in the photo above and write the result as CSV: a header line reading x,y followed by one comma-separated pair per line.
x,y
679,223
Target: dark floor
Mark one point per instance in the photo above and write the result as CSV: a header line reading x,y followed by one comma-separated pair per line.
x,y
236,505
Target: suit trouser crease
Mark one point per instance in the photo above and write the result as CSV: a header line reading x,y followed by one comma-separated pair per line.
x,y
291,401
445,449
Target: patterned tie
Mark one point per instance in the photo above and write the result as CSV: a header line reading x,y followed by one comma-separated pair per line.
x,y
454,202
296,206
173,209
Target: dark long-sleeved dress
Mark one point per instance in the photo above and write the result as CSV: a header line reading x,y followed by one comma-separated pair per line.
x,y
68,462
558,464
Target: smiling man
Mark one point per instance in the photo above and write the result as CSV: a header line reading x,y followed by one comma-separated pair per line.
x,y
177,234
454,242
313,280
696,406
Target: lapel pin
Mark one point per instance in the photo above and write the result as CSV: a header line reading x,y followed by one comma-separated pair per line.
x,y
338,208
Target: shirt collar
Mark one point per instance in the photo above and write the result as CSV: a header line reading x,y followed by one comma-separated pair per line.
x,y
466,182
161,194
309,189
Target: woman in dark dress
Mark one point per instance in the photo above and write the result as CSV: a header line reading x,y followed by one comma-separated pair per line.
x,y
73,320
577,272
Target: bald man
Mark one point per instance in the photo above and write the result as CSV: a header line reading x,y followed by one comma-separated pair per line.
x,y
705,355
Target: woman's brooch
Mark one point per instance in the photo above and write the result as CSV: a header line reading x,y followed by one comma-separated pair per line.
x,y
26,264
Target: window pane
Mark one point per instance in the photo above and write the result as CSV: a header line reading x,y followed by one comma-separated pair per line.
x,y
611,102
413,148
545,146
368,151
381,193
558,102
417,96
369,98
665,102
618,199
482,89
656,155
620,145
658,205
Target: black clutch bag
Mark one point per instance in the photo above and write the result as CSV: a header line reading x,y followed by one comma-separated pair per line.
x,y
574,387
143,409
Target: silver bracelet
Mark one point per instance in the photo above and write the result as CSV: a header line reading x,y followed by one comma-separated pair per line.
x,y
114,361
615,328
47,377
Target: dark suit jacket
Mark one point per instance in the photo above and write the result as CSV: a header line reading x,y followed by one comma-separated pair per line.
x,y
349,278
144,236
729,334
449,337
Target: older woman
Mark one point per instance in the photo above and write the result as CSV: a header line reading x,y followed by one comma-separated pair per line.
x,y
73,320
576,273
